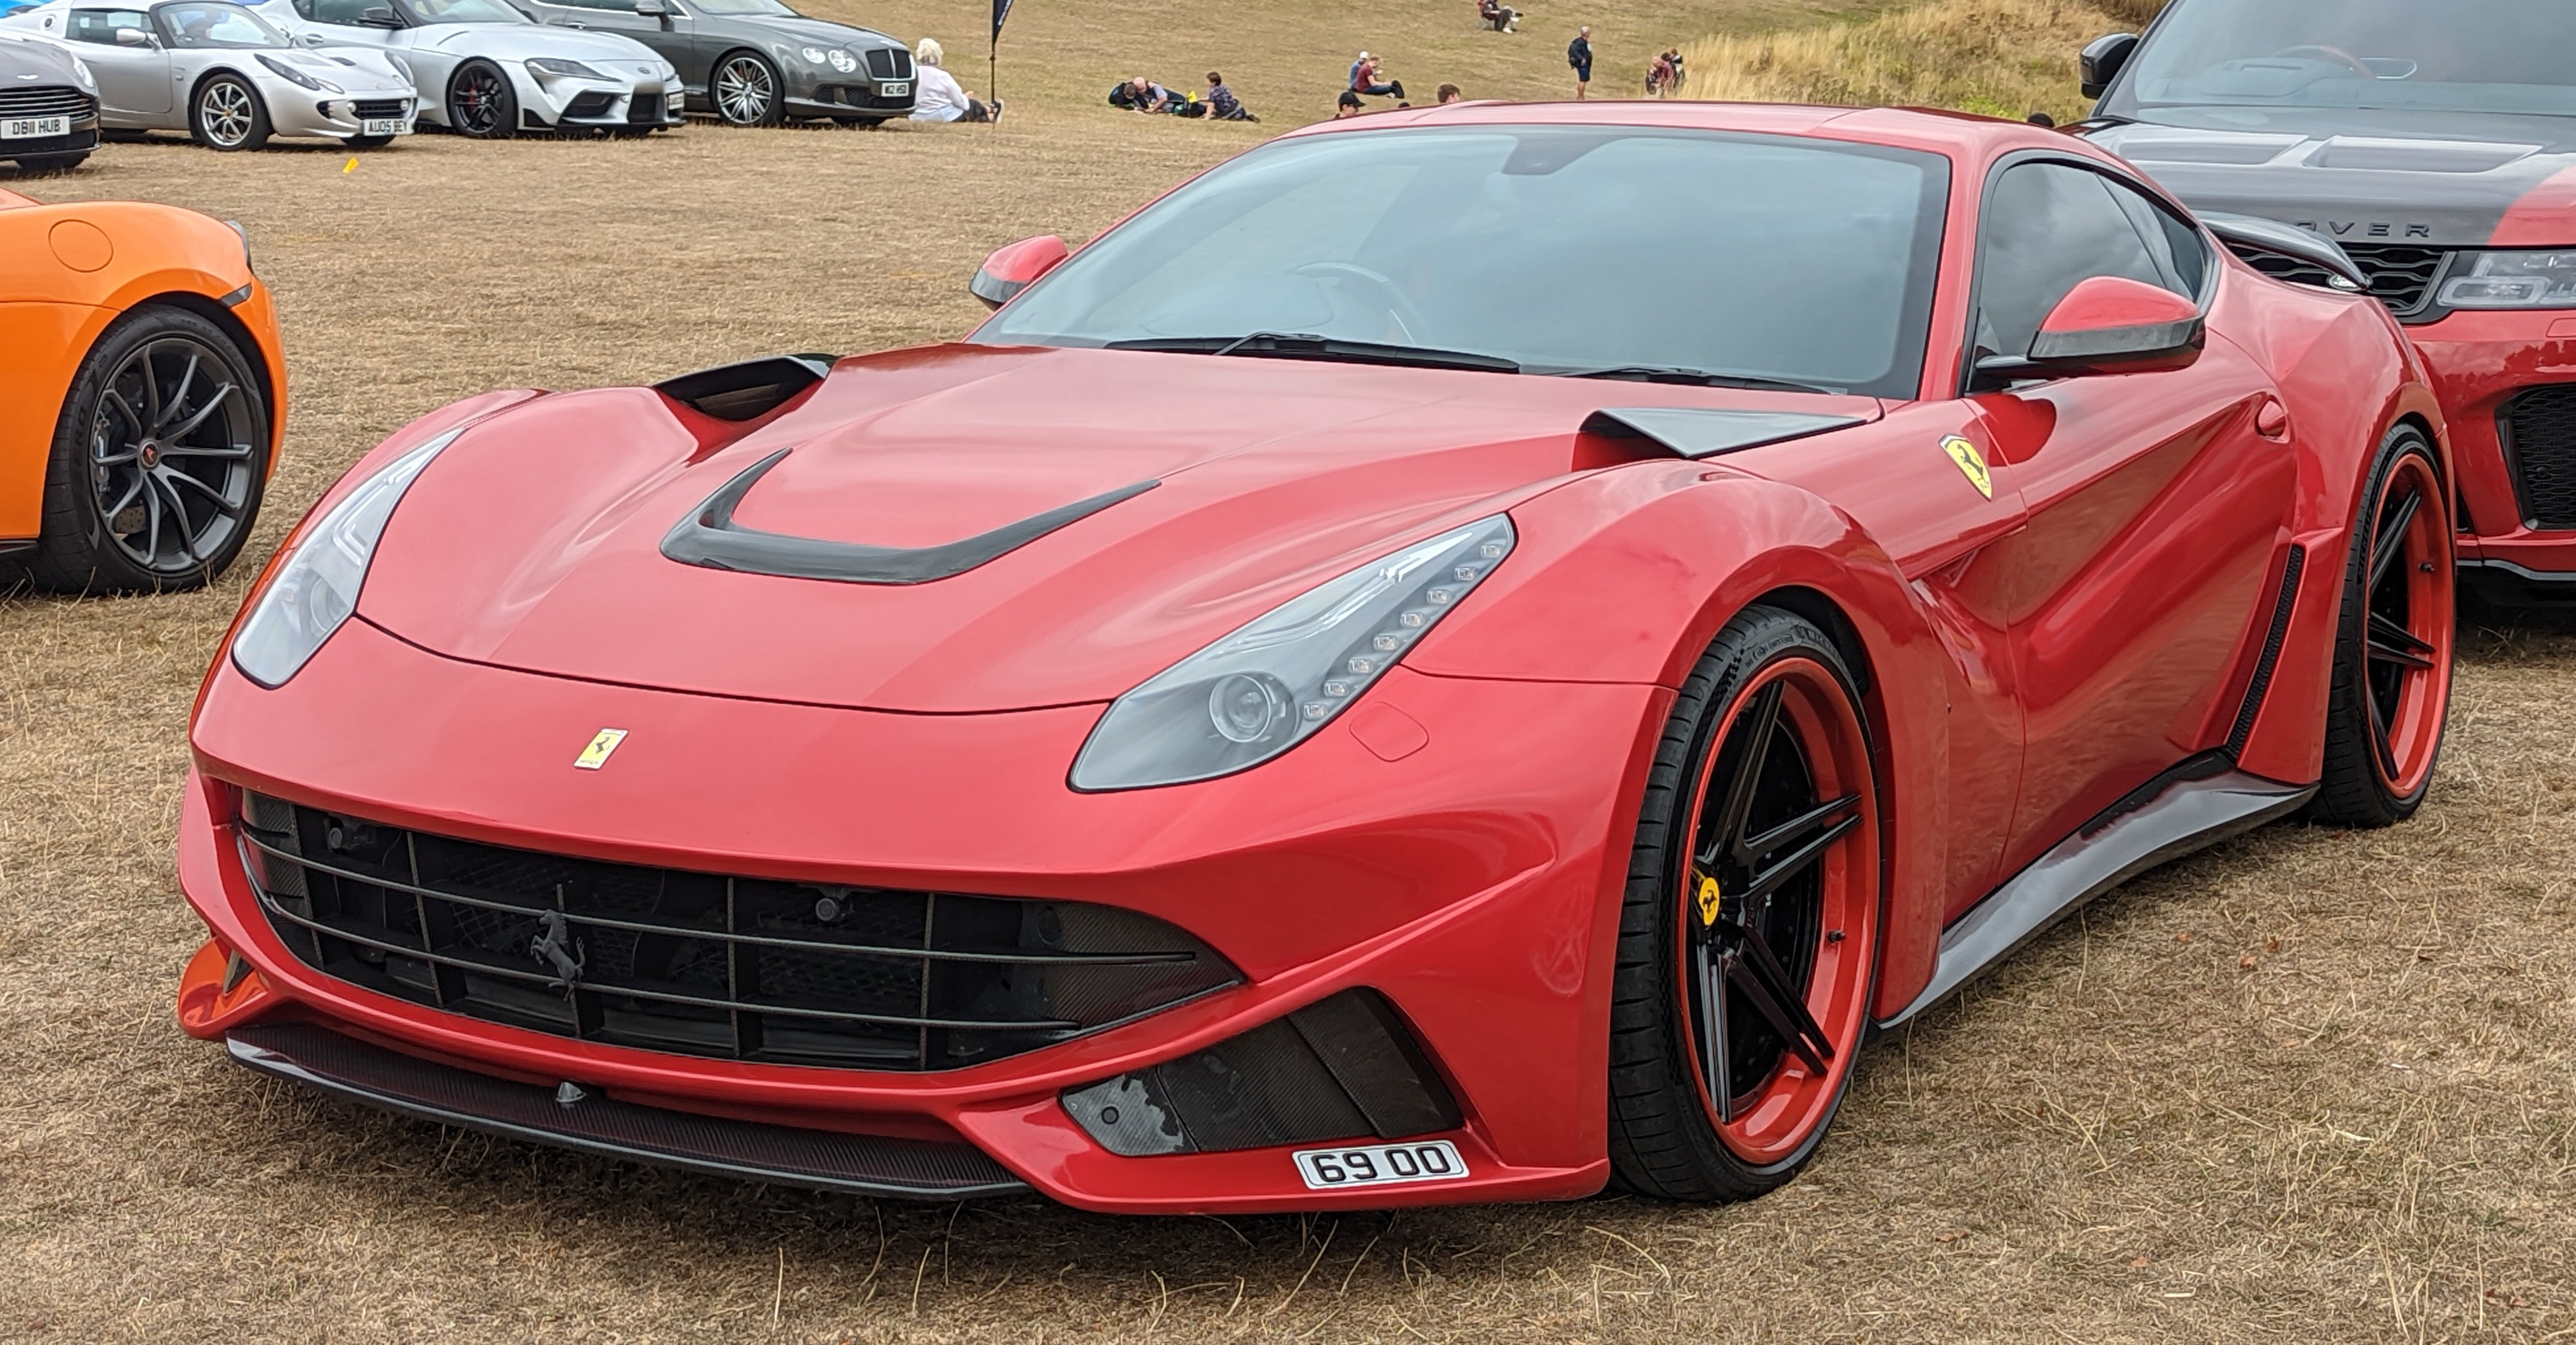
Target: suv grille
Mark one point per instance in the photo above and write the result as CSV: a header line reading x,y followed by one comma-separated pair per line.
x,y
2539,431
55,101
2400,277
701,964
890,63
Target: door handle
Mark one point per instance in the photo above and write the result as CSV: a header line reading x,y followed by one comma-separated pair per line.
x,y
2271,419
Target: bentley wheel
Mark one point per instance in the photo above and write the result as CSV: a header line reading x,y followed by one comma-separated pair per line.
x,y
2391,694
1748,940
158,460
481,104
226,114
745,91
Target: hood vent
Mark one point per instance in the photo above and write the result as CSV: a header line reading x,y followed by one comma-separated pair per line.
x,y
1695,432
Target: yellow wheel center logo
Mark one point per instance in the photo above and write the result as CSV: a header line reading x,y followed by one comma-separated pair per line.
x,y
1707,898
601,744
1972,464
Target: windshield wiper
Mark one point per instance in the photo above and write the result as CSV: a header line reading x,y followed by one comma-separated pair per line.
x,y
1304,346
1706,378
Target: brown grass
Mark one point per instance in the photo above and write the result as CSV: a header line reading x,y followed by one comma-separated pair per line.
x,y
2368,1134
2002,58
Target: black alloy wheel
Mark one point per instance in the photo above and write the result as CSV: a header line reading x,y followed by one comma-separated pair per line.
x,y
159,459
481,105
1748,939
745,91
2391,693
226,114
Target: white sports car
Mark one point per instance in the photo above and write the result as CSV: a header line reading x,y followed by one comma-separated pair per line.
x,y
222,73
486,70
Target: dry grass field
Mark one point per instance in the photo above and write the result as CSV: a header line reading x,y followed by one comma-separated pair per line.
x,y
2314,1086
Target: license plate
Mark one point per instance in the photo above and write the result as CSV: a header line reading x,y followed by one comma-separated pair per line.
x,y
1380,1164
897,90
34,128
381,126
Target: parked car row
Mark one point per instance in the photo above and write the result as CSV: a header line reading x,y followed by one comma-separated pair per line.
x,y
233,75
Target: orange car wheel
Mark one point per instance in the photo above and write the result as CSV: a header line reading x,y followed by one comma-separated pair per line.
x,y
159,459
2392,670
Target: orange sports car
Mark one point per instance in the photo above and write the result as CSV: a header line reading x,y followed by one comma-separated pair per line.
x,y
142,397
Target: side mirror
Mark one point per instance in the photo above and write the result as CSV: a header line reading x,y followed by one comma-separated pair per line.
x,y
1015,267
2103,59
135,37
379,16
654,9
2107,325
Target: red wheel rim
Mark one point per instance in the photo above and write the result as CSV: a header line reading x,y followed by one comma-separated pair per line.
x,y
1773,968
2408,625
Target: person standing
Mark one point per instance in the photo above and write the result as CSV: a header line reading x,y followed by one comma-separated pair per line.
x,y
1578,53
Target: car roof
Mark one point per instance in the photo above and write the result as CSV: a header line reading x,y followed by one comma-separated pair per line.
x,y
1959,135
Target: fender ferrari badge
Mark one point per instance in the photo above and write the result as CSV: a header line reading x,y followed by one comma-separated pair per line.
x,y
1972,464
1707,897
596,755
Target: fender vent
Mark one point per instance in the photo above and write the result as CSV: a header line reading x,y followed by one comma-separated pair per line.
x,y
2272,641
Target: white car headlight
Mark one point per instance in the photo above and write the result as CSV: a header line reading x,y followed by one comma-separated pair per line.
x,y
317,588
556,68
844,61
814,54
1274,683
81,72
2513,280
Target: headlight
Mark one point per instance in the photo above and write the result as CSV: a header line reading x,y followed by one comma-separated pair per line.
x,y
317,588
548,65
2513,280
814,54
297,77
81,72
1274,683
844,61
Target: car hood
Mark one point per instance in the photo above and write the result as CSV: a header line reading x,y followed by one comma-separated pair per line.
x,y
355,69
2353,175
535,541
25,54
518,42
801,29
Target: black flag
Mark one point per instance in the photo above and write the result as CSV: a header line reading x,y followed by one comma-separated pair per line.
x,y
1001,11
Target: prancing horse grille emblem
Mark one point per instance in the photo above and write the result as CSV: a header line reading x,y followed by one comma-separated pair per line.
x,y
555,945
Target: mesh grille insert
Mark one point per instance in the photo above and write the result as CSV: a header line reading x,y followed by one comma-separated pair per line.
x,y
2539,432
704,964
2400,277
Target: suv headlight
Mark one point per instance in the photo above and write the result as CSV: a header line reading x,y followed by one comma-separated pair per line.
x,y
1272,684
316,589
2512,280
562,69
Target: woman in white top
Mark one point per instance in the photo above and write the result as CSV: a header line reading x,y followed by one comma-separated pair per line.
x,y
936,95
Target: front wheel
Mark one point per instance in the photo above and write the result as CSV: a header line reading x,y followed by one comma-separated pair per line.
x,y
226,114
481,105
2391,694
745,91
1748,938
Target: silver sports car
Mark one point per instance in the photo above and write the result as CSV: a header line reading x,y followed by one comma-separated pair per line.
x,y
221,73
485,70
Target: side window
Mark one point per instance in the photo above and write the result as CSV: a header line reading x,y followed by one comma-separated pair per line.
x,y
2176,245
2048,227
623,6
347,13
101,25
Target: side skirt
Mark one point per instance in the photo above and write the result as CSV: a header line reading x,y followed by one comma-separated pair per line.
x,y
2195,805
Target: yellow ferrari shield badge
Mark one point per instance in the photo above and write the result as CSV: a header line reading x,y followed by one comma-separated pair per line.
x,y
1707,898
1972,464
601,744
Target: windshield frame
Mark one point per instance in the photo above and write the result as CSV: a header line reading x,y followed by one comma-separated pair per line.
x,y
168,28
1917,311
2121,102
414,17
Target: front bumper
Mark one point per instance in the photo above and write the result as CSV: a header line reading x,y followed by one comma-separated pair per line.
x,y
2480,362
1472,881
340,116
82,138
570,104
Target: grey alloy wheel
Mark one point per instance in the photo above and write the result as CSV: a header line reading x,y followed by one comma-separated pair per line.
x,y
745,90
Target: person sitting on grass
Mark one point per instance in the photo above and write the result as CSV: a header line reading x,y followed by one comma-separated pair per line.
x,y
1366,80
1140,94
1222,104
936,95
1498,16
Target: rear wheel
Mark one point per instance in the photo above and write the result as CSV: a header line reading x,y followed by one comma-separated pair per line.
x,y
159,459
226,114
2391,693
1748,940
481,104
745,91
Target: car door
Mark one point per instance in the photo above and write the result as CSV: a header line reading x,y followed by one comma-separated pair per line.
x,y
133,69
2155,505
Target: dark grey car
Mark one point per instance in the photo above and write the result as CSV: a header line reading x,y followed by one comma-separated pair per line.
x,y
756,62
48,106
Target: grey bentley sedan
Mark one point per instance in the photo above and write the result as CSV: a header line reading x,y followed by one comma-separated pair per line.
x,y
756,62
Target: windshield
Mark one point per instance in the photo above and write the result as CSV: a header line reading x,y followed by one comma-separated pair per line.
x,y
216,25
2456,56
1561,249
768,8
463,11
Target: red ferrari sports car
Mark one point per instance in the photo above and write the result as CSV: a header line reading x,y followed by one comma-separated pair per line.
x,y
1463,655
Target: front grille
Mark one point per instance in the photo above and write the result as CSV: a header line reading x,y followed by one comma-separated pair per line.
x,y
2400,277
53,101
646,110
704,964
890,63
371,109
2539,432
591,104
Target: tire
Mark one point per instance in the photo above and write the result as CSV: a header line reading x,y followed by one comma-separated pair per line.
x,y
1789,876
481,103
226,114
164,395
745,89
52,163
366,141
2391,692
